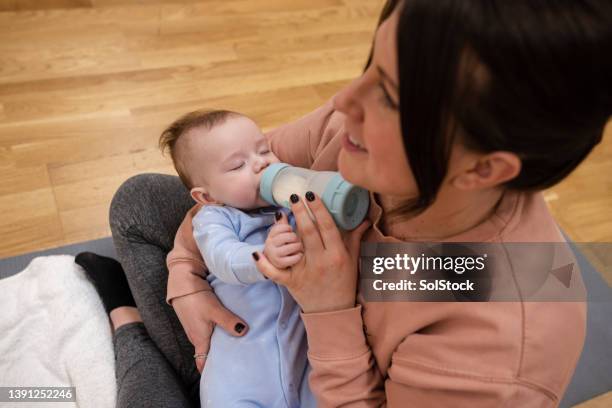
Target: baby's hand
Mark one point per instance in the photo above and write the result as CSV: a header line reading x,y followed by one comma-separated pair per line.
x,y
283,247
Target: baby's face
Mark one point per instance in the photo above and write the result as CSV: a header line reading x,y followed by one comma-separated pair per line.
x,y
227,163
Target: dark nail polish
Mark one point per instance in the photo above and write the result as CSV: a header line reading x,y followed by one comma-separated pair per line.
x,y
310,196
278,215
239,327
255,256
294,198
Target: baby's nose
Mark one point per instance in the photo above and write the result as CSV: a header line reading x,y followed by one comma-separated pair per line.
x,y
261,165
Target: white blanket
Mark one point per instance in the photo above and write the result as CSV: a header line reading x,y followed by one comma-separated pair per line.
x,y
54,332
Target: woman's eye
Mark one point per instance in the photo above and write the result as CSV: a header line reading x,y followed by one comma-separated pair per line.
x,y
386,99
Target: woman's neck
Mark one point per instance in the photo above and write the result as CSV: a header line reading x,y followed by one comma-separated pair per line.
x,y
452,213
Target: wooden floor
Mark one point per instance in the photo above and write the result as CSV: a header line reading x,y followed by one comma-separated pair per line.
x,y
87,85
85,91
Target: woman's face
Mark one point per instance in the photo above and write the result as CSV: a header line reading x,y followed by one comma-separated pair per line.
x,y
370,104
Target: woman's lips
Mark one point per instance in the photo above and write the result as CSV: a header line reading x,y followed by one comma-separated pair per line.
x,y
349,146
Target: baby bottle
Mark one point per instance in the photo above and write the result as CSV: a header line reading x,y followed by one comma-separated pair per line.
x,y
348,204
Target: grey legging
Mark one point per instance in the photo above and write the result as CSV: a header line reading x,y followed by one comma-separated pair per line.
x,y
154,360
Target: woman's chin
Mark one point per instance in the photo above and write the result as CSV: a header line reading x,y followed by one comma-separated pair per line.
x,y
349,170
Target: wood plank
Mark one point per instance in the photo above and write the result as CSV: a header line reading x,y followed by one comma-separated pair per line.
x,y
25,5
264,107
602,401
30,220
24,179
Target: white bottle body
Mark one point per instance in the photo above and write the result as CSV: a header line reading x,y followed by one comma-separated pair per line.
x,y
296,180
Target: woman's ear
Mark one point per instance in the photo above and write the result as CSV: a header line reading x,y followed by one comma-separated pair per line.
x,y
489,170
200,196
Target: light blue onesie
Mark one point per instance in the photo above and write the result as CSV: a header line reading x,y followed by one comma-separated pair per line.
x,y
268,366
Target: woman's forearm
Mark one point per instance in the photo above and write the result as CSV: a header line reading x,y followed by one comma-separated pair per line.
x,y
186,268
184,278
344,372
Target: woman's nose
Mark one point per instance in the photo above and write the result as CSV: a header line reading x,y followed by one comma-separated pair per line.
x,y
347,101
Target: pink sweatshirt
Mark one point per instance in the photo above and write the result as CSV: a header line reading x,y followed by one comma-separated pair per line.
x,y
423,354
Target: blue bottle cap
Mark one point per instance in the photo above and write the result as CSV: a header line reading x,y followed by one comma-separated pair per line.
x,y
347,203
267,180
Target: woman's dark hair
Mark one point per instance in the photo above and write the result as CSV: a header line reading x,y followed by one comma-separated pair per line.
x,y
386,11
533,77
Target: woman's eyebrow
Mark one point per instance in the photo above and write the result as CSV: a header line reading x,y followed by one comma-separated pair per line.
x,y
386,77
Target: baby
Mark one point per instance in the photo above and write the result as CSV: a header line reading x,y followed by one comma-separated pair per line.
x,y
220,156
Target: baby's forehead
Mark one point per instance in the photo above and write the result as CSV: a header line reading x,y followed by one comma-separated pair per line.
x,y
236,130
224,138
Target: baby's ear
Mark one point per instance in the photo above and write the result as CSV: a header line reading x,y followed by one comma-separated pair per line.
x,y
201,196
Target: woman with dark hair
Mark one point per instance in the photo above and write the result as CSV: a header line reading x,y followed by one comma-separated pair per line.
x,y
466,111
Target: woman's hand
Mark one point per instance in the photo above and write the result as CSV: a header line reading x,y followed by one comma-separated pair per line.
x,y
325,279
199,313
